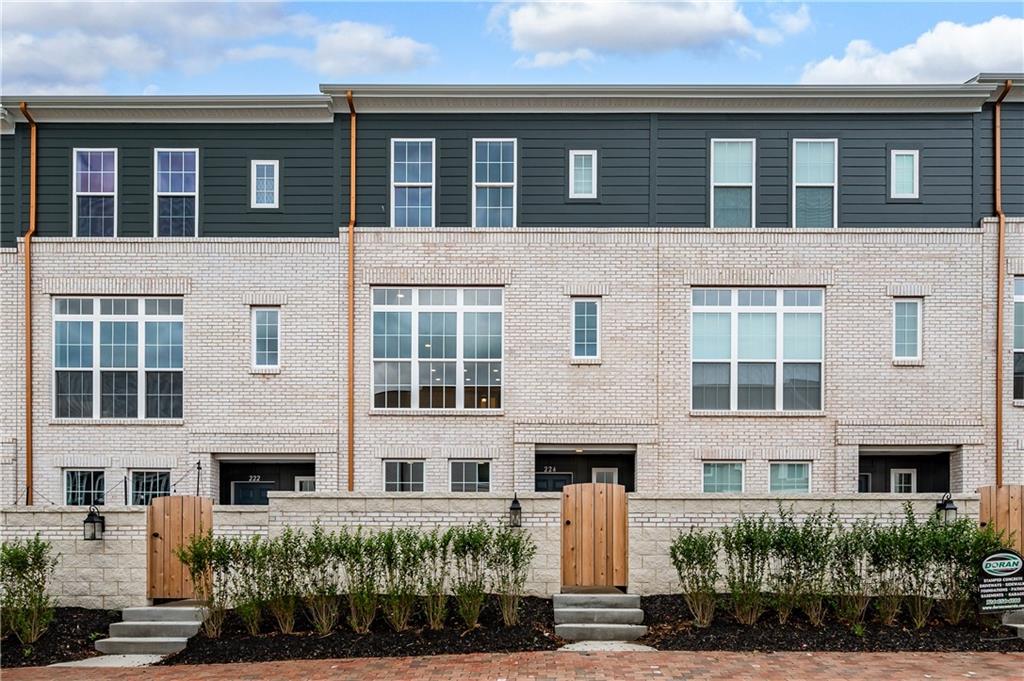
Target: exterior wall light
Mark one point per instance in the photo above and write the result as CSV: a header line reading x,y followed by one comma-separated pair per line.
x,y
93,526
515,512
946,509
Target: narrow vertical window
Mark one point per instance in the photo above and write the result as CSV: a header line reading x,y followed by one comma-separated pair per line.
x,y
95,193
176,192
586,327
494,183
583,174
906,340
412,182
1018,338
903,170
815,183
732,182
265,182
266,335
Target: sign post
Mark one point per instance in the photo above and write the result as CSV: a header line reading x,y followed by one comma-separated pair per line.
x,y
1001,583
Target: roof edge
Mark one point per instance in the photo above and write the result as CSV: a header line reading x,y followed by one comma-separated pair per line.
x,y
173,109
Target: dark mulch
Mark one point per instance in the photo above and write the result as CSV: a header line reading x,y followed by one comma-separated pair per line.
x,y
670,628
536,632
70,636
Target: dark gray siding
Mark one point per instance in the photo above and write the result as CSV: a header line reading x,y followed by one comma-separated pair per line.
x,y
8,196
1013,161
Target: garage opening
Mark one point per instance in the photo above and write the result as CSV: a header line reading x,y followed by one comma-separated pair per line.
x,y
247,482
559,465
904,470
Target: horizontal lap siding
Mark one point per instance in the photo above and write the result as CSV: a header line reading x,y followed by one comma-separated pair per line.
x,y
8,225
1013,161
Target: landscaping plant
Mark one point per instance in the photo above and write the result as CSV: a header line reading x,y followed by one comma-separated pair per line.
x,y
695,557
747,544
402,566
25,606
284,561
919,546
884,550
362,566
850,569
209,561
958,552
471,547
248,581
785,568
321,579
510,556
435,547
815,539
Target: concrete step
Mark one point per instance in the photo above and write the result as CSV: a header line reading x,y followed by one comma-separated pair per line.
x,y
599,616
600,632
163,613
164,645
609,600
136,629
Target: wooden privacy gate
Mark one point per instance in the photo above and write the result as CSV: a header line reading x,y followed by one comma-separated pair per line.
x,y
595,541
171,522
1002,508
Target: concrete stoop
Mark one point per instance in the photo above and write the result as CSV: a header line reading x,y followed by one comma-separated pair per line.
x,y
153,630
1015,620
598,617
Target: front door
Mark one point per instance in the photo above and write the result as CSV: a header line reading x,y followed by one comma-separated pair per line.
x,y
595,542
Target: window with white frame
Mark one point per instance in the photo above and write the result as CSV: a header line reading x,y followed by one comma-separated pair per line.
x,y
903,481
437,348
494,182
403,476
723,476
904,173
118,358
176,195
471,476
95,192
305,483
84,488
906,328
412,182
757,349
148,485
265,183
732,182
1018,338
586,327
605,475
266,336
583,174
815,182
789,476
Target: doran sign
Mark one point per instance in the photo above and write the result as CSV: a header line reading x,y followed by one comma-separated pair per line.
x,y
1001,584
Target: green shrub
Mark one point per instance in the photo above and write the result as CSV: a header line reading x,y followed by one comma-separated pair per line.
x,y
25,606
510,556
284,562
885,548
747,544
321,579
471,547
695,557
850,570
209,562
248,581
919,546
435,547
402,565
785,570
362,559
816,539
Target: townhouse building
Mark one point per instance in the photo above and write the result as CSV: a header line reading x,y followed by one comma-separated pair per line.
x,y
501,289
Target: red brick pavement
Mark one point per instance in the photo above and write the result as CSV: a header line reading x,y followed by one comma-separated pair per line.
x,y
557,666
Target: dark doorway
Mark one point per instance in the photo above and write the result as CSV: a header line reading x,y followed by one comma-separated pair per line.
x,y
246,483
904,473
556,467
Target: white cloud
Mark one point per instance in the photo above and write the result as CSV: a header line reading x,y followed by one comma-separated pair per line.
x,y
546,60
948,53
793,22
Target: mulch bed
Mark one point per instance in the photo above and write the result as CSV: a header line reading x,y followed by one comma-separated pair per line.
x,y
670,628
70,636
536,632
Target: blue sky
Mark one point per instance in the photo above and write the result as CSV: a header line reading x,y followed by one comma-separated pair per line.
x,y
284,48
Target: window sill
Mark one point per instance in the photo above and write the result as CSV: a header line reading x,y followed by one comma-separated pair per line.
x,y
1018,403
584,361
437,412
264,370
758,413
116,422
908,362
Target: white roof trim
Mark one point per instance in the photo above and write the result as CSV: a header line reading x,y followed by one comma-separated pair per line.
x,y
242,109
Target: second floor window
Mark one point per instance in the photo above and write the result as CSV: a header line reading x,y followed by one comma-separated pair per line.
x,y
177,192
903,168
583,174
585,328
265,181
732,183
815,183
1018,338
412,183
95,201
906,340
266,335
494,183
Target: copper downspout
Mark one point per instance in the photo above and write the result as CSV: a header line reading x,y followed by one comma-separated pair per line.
x,y
1000,274
28,301
351,290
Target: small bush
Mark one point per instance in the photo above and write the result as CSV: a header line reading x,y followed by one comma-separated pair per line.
x,y
209,562
25,606
362,559
321,572
435,548
471,547
747,544
850,570
402,564
695,557
248,581
284,558
885,548
510,556
919,544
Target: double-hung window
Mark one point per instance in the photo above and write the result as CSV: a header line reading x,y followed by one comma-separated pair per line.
x,y
583,174
732,182
84,488
586,325
494,182
403,476
757,349
118,358
906,329
266,336
265,183
904,174
815,183
148,485
95,200
437,348
789,476
176,195
723,476
412,182
471,476
1018,338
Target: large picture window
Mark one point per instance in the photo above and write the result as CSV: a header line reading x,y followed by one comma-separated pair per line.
x,y
118,358
412,182
494,183
732,182
437,348
815,183
95,189
176,192
1018,338
757,349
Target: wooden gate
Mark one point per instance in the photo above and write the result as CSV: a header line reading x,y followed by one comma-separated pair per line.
x,y
595,541
171,522
1002,508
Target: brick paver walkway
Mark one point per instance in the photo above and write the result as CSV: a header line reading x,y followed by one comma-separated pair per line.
x,y
565,665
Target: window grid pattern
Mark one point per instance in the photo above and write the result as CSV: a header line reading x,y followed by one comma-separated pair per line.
x,y
84,488
403,476
266,336
470,476
815,183
148,485
723,477
412,182
177,192
907,329
494,183
732,182
95,190
1018,338
904,170
585,327
583,174
265,182
786,476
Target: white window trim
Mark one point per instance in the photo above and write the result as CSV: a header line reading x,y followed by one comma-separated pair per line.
x,y
608,469
64,484
252,183
810,476
1017,298
752,184
303,478
514,184
743,475
573,153
572,323
920,321
157,194
477,462
74,186
252,336
834,184
131,480
384,475
433,178
893,472
892,173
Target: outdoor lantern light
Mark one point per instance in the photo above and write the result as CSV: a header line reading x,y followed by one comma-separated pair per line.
x,y
946,508
515,512
93,526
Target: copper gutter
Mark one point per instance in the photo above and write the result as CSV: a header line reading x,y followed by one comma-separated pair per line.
x,y
28,301
1000,273
351,291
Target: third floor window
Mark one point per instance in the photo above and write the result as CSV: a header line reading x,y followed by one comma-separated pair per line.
x,y
95,200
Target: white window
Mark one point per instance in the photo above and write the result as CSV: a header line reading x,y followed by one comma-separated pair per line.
x,y
84,488
305,483
903,481
148,485
586,328
176,192
494,182
266,336
906,328
903,170
583,174
789,476
470,476
265,182
723,476
815,183
757,349
403,476
732,182
118,358
437,348
1018,338
605,475
94,205
412,182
